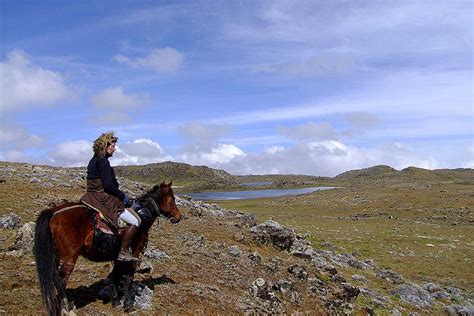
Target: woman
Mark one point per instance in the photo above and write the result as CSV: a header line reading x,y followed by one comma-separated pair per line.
x,y
103,192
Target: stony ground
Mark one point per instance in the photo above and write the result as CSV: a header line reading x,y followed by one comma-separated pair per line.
x,y
217,261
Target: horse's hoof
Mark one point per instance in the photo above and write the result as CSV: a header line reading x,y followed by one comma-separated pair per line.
x,y
129,309
115,303
64,312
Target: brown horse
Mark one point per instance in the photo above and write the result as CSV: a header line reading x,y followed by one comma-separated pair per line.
x,y
64,232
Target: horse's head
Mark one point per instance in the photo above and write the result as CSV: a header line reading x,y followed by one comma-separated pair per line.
x,y
166,202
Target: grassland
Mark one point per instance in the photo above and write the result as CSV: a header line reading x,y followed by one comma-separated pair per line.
x,y
424,231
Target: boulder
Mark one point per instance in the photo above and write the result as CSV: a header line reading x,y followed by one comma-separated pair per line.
x,y
413,295
274,234
25,238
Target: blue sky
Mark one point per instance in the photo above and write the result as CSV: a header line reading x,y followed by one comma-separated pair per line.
x,y
251,87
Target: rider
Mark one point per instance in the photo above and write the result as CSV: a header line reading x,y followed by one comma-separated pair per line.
x,y
103,192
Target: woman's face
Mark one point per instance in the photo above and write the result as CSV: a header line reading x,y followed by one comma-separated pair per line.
x,y
111,149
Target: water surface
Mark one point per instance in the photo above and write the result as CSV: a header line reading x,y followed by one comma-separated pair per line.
x,y
254,194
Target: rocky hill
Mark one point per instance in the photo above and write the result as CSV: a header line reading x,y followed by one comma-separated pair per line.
x,y
215,261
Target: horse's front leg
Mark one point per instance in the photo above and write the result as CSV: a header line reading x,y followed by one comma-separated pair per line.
x,y
117,276
129,294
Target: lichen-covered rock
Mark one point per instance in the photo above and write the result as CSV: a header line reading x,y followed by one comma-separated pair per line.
x,y
156,254
456,309
413,295
234,251
272,233
10,221
25,238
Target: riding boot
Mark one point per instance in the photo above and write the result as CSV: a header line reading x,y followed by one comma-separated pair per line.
x,y
127,238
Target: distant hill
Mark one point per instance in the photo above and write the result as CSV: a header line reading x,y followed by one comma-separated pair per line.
x,y
387,173
197,177
375,172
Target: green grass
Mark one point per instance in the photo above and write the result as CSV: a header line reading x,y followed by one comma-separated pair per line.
x,y
409,231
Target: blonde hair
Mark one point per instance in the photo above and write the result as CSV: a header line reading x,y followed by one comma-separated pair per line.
x,y
102,142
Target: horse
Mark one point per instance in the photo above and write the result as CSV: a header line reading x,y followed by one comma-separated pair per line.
x,y
66,231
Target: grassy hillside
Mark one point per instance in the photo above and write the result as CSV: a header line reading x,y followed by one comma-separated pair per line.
x,y
191,177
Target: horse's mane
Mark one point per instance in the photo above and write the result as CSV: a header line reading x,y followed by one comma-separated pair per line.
x,y
154,193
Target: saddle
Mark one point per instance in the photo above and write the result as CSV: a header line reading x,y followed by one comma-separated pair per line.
x,y
101,223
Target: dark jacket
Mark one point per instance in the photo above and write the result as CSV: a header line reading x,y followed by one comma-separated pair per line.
x,y
103,192
100,168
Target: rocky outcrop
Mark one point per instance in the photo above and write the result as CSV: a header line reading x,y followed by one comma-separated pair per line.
x,y
273,233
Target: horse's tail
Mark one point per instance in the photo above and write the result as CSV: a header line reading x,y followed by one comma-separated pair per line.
x,y
47,264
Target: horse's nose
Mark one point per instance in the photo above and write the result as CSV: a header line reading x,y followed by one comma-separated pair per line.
x,y
175,219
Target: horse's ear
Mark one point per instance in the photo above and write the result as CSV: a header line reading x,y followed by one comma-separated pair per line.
x,y
171,182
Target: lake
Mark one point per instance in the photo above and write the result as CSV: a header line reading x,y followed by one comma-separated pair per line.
x,y
254,194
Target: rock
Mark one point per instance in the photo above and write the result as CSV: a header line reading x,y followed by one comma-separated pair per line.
x,y
349,293
302,248
456,309
234,251
261,289
390,276
10,221
143,298
299,272
255,257
283,286
413,295
317,286
359,278
274,234
432,287
25,238
156,254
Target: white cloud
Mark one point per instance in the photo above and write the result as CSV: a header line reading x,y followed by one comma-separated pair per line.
x,y
274,150
200,136
25,85
17,137
115,98
326,158
71,154
162,60
139,152
215,157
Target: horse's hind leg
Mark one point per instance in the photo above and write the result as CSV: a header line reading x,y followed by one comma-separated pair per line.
x,y
65,270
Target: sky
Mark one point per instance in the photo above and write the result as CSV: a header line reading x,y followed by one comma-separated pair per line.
x,y
251,87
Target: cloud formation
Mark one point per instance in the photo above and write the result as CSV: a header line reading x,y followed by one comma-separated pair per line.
x,y
71,154
115,98
14,137
25,85
139,152
161,60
